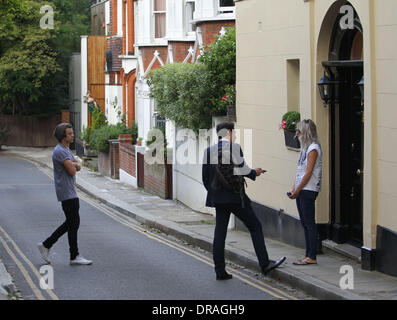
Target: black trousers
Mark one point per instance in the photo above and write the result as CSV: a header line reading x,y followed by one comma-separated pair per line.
x,y
71,226
248,217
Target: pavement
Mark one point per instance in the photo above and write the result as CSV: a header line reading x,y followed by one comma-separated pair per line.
x,y
323,281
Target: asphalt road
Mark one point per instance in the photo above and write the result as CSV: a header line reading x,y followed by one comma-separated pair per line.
x,y
129,262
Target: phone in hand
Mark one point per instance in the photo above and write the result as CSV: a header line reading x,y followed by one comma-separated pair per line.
x,y
263,171
289,194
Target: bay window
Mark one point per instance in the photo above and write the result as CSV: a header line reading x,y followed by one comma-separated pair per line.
x,y
159,12
226,6
190,7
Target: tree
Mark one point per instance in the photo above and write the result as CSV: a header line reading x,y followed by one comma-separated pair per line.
x,y
181,92
190,94
220,59
11,13
34,62
27,60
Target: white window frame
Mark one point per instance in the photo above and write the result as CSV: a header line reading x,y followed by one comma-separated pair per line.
x,y
226,10
154,21
154,114
188,19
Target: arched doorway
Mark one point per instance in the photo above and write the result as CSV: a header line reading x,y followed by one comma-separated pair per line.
x,y
346,122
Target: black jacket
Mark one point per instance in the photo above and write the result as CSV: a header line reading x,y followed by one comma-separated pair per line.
x,y
221,195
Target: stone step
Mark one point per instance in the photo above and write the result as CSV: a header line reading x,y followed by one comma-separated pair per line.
x,y
344,249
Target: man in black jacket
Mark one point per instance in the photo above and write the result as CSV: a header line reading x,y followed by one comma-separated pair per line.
x,y
227,201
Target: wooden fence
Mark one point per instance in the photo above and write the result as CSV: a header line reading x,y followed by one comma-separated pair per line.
x,y
31,132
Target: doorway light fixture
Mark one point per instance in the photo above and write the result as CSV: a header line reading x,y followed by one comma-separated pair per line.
x,y
326,89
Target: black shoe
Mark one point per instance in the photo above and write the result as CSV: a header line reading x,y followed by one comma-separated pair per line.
x,y
223,276
272,265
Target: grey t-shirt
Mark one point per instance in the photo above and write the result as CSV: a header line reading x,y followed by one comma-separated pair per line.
x,y
64,182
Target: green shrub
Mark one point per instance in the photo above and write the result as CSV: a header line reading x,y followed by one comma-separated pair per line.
x,y
220,59
183,94
100,136
291,119
190,94
85,135
98,119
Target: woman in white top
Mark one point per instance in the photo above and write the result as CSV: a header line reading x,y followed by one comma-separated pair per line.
x,y
307,186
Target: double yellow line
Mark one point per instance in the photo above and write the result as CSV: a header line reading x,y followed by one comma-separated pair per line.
x,y
36,291
123,219
252,281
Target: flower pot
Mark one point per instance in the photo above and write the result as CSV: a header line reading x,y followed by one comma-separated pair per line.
x,y
290,140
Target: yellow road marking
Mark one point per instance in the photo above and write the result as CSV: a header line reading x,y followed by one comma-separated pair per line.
x,y
29,263
255,282
29,280
239,275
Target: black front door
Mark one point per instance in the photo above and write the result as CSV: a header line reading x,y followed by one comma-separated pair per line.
x,y
347,145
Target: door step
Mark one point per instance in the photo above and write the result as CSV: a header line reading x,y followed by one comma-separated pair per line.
x,y
344,249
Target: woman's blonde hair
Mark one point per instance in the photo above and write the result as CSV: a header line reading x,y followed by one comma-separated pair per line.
x,y
308,131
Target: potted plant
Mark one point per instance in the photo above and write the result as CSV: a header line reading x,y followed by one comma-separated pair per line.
x,y
288,124
229,99
139,141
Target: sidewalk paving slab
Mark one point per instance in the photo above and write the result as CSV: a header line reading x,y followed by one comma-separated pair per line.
x,y
7,288
171,217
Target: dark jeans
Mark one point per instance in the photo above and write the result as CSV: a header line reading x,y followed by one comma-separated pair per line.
x,y
305,203
71,225
248,217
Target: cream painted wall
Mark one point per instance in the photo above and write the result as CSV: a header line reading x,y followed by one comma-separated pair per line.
x,y
269,33
385,15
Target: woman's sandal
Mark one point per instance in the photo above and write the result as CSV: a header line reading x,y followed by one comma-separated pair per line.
x,y
303,262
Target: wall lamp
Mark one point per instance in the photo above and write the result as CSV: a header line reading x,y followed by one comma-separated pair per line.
x,y
326,89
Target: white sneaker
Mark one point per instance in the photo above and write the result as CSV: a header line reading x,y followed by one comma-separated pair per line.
x,y
44,252
79,260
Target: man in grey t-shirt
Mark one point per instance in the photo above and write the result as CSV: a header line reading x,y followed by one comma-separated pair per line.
x,y
65,168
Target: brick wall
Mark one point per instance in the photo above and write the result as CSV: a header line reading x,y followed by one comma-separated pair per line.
x,y
148,54
210,29
104,163
180,49
156,179
114,154
65,116
113,43
127,154
108,163
116,46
